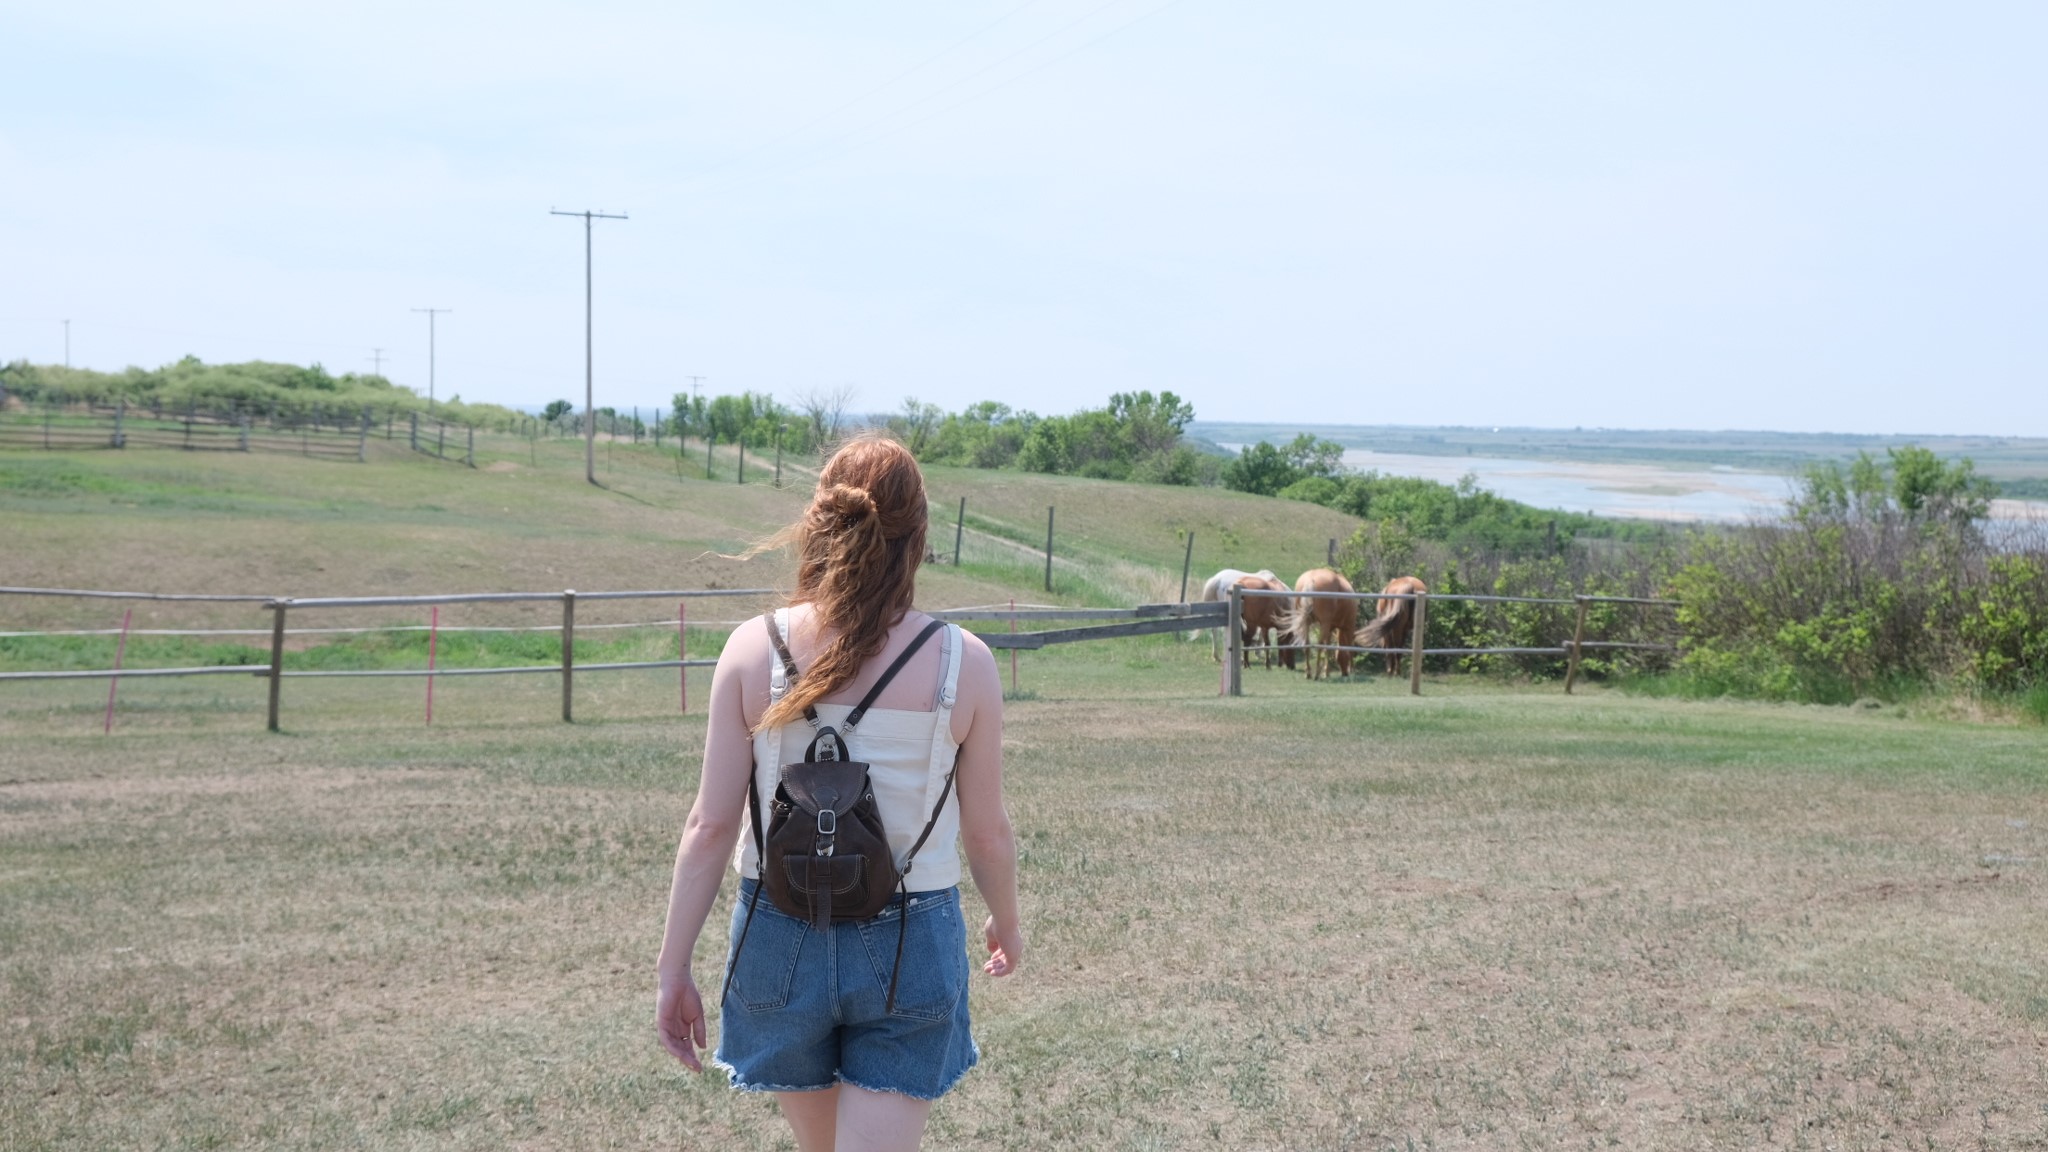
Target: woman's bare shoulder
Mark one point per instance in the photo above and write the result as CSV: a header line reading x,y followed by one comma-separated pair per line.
x,y
980,684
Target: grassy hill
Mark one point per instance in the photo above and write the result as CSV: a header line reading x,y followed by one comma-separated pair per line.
x,y
525,520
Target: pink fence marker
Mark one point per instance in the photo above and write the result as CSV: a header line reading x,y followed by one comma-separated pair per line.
x,y
683,648
433,639
120,650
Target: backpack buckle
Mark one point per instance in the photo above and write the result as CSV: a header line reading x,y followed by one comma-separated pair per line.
x,y
828,822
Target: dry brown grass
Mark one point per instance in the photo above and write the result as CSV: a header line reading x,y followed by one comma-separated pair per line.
x,y
1326,916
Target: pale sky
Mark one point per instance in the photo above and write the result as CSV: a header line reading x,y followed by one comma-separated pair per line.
x,y
1808,216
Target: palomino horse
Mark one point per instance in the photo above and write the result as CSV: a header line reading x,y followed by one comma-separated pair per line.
x,y
1217,588
1264,616
1324,620
1396,618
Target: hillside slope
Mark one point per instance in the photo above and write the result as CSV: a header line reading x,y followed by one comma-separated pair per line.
x,y
525,520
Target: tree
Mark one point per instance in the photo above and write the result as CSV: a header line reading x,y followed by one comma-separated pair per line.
x,y
824,411
916,424
1149,425
1260,469
1911,482
556,409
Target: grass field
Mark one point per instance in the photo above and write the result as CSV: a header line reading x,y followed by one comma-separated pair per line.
x,y
1316,917
1322,916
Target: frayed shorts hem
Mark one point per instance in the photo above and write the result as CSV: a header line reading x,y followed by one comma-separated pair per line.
x,y
739,1085
732,1074
948,1086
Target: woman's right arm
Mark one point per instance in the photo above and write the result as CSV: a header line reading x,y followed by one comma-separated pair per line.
x,y
985,831
714,824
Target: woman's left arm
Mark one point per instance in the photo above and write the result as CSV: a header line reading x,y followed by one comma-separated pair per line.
x,y
708,836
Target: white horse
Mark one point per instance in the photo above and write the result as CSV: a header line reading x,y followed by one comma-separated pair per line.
x,y
1217,588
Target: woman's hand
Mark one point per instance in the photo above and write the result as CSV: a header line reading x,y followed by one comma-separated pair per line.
x,y
1005,949
679,1016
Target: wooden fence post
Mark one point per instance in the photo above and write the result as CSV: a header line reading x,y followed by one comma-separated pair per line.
x,y
568,656
120,415
1233,672
710,442
1415,644
1048,547
1571,671
363,439
739,474
440,441
1331,557
276,659
959,527
1185,561
470,458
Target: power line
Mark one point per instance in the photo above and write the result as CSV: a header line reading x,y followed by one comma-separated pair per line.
x,y
589,387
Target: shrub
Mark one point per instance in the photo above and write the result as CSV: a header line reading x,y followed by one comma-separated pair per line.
x,y
2007,633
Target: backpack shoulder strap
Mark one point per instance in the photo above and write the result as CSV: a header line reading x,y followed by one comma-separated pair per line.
x,y
782,677
889,673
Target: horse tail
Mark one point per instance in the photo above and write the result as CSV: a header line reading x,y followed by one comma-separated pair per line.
x,y
1374,634
1299,614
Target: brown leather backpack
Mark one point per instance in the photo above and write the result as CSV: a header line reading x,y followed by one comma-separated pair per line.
x,y
824,856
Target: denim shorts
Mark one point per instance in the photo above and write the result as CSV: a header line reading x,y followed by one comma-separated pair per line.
x,y
808,1008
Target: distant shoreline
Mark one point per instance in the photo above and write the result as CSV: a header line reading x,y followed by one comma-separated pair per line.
x,y
1779,453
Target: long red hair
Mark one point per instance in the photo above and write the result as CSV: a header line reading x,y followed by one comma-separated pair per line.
x,y
857,548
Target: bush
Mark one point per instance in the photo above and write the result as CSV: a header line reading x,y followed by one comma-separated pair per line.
x,y
2007,634
1877,579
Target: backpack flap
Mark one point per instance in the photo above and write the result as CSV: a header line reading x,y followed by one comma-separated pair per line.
x,y
816,788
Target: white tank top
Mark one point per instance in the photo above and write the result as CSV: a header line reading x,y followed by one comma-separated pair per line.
x,y
908,756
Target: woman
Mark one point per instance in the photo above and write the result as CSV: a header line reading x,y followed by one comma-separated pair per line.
x,y
813,1015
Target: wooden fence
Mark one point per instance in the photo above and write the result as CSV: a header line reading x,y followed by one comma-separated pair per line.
x,y
1139,621
1097,624
339,435
1573,649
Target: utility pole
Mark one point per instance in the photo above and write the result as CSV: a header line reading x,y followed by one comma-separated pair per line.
x,y
377,357
696,396
589,389
431,313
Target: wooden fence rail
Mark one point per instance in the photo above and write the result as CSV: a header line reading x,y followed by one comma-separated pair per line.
x,y
1574,650
280,607
1140,620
